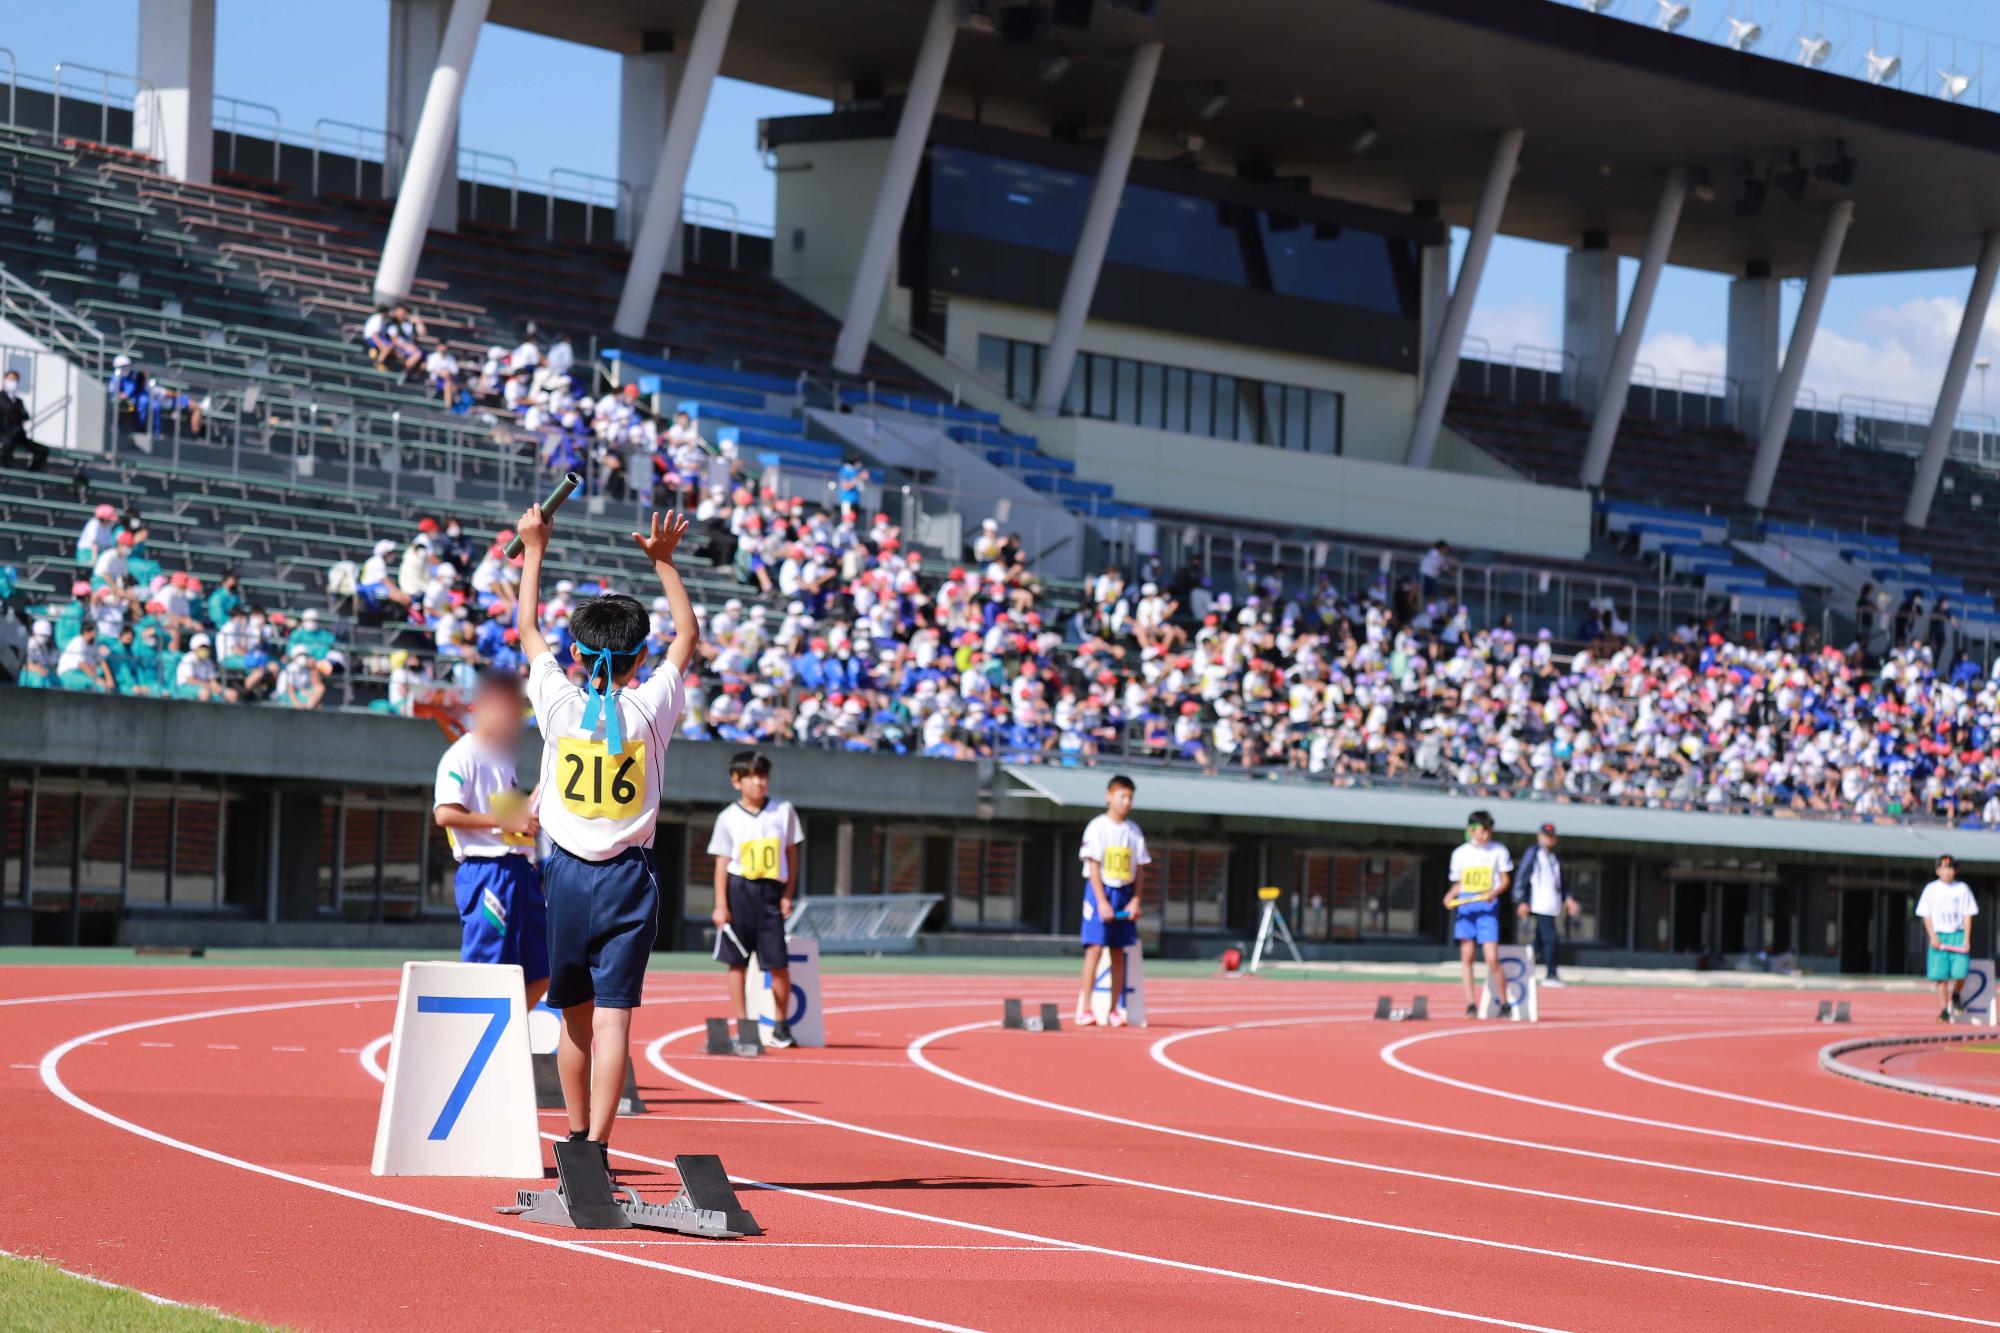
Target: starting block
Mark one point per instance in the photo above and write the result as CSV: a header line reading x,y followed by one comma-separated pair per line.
x,y
548,1088
748,1041
1049,1020
1829,1012
1418,1012
584,1198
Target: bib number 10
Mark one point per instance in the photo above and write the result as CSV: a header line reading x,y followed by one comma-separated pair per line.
x,y
596,784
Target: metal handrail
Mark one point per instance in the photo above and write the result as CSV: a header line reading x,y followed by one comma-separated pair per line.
x,y
361,132
472,178
105,76
234,120
695,208
621,192
13,83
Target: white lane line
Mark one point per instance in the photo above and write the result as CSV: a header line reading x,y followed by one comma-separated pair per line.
x,y
223,1046
262,987
19,1066
1612,1060
115,1286
655,1054
1133,1256
1562,1149
159,1045
291,1050
51,1068
1391,1057
919,1054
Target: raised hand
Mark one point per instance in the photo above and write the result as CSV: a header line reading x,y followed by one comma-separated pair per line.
x,y
533,528
659,544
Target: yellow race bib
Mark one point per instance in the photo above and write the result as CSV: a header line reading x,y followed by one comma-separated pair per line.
x,y
1475,882
593,783
1118,865
759,858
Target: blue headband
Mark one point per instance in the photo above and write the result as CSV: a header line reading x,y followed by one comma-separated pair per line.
x,y
603,701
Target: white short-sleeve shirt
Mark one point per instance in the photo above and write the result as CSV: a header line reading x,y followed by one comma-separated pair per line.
x,y
764,839
594,804
481,779
1947,907
1477,870
1118,847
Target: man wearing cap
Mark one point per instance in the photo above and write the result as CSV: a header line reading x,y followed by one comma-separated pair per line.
x,y
1541,894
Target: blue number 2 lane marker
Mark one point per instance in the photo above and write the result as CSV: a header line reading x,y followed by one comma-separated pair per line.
x,y
496,1011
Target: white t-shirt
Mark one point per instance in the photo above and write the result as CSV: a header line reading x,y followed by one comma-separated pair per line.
x,y
764,839
1477,870
1118,847
592,804
1947,907
1545,894
481,779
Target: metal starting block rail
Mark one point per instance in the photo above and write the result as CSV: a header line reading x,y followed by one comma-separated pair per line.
x,y
584,1198
1418,1012
1049,1020
1829,1012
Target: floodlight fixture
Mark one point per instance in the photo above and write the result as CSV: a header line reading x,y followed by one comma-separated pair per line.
x,y
1883,68
1673,13
1211,107
1953,84
1743,33
1597,6
1814,51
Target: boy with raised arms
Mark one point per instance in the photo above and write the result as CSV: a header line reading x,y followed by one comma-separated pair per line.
x,y
1113,851
603,751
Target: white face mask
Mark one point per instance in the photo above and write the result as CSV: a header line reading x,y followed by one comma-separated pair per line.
x,y
13,385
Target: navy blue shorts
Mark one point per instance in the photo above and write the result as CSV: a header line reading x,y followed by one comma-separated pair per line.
x,y
506,919
1117,934
603,919
759,923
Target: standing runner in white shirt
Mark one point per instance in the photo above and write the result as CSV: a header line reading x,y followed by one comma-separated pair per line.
x,y
1946,907
1113,851
755,846
603,751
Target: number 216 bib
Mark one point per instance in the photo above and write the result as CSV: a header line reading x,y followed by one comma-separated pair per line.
x,y
596,784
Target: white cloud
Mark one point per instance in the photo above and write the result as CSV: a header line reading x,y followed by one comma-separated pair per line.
x,y
1525,323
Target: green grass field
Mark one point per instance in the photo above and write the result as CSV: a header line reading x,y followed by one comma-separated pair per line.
x,y
35,1295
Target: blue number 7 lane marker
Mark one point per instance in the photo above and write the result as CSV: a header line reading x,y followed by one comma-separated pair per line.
x,y
496,1011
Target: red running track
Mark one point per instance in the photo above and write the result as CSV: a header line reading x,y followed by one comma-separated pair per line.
x,y
1643,1157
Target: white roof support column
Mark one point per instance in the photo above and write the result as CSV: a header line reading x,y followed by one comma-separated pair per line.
x,y
1590,318
1443,365
1785,393
657,247
1617,385
430,152
1095,238
906,152
1937,445
1752,367
416,34
648,80
173,113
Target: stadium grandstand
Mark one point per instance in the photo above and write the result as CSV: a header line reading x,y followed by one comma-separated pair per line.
x,y
1101,399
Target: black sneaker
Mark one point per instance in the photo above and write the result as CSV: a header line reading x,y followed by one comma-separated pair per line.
x,y
781,1036
1505,1011
1957,1004
1472,1011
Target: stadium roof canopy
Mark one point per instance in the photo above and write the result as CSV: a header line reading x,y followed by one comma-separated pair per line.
x,y
1607,105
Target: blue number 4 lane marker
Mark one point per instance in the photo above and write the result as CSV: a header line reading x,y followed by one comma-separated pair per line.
x,y
496,1011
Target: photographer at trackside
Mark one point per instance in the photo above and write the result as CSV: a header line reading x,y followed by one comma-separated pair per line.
x,y
1541,893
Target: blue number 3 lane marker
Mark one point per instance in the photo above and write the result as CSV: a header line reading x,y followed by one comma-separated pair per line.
x,y
496,1011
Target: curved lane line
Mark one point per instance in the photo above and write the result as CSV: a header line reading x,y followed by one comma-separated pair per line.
x,y
654,1053
917,1053
1159,1052
1394,1061
51,1071
1612,1061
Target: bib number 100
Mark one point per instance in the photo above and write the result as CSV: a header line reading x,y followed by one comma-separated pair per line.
x,y
596,784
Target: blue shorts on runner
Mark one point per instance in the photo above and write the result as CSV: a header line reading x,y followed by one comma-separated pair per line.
x,y
1484,927
1117,934
603,919
504,915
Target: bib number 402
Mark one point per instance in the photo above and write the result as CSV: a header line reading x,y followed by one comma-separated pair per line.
x,y
596,784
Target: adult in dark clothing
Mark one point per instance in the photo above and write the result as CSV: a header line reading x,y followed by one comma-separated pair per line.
x,y
14,427
1541,895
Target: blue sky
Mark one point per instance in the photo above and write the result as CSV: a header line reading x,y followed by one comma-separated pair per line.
x,y
1884,336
